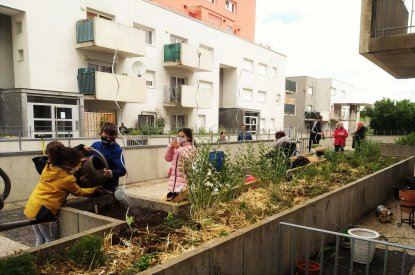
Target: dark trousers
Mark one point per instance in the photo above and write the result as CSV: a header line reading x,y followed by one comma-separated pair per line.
x,y
314,139
338,148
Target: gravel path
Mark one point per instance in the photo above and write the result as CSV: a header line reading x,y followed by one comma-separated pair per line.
x,y
391,232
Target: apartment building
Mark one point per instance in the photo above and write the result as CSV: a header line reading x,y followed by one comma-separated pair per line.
x,y
233,16
129,61
308,97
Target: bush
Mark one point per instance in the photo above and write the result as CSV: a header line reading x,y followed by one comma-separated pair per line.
x,y
409,139
23,264
87,251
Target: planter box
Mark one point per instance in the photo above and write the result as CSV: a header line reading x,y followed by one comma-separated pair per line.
x,y
255,249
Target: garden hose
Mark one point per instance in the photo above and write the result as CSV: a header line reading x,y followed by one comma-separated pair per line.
x,y
7,187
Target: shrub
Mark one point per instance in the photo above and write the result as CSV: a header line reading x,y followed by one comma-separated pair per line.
x,y
87,251
409,139
23,264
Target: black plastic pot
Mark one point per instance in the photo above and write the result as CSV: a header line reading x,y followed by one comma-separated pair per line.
x,y
398,188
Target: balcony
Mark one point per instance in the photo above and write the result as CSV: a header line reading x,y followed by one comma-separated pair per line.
x,y
104,36
386,37
187,97
104,86
187,57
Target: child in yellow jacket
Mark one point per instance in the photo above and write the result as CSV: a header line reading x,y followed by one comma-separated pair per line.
x,y
55,184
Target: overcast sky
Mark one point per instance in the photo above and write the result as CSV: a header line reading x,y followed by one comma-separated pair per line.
x,y
321,39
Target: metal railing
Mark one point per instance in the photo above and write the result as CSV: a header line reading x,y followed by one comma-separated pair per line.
x,y
392,17
319,246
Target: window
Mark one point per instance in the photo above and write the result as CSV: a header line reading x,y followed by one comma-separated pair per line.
x,y
343,94
289,109
92,14
19,28
205,85
274,72
206,47
229,29
310,90
333,91
177,121
309,108
247,95
262,96
100,67
230,6
20,55
248,65
262,69
278,100
177,39
289,106
150,77
149,34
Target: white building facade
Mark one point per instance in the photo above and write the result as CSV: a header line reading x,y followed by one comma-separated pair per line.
x,y
308,97
65,64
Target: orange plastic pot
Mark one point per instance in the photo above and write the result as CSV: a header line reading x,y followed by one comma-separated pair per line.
x,y
407,198
313,267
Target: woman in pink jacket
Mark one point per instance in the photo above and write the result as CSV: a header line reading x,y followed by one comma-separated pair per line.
x,y
340,135
178,150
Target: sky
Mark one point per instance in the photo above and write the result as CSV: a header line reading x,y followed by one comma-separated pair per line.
x,y
321,39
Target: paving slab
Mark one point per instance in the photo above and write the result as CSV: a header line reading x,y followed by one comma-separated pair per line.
x,y
10,247
154,189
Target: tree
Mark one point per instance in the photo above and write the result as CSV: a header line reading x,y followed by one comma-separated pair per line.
x,y
389,115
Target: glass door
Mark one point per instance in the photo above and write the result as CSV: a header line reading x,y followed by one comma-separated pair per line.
x,y
251,121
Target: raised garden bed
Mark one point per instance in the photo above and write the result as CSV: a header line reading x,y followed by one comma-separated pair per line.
x,y
242,235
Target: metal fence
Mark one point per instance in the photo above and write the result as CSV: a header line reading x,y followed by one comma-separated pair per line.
x,y
392,17
319,245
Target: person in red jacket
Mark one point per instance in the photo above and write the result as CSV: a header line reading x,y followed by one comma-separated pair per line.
x,y
340,135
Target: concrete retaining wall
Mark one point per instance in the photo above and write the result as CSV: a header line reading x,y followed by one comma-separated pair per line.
x,y
398,150
143,164
255,249
74,224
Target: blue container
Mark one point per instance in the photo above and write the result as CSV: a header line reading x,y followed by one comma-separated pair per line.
x,y
217,158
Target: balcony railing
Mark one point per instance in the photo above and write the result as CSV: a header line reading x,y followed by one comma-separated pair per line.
x,y
108,86
188,57
311,115
392,17
86,81
107,36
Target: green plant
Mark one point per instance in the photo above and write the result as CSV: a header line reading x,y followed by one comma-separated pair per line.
x,y
87,251
144,262
173,221
23,264
408,139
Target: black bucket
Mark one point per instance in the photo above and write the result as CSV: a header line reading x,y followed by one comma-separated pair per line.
x,y
398,188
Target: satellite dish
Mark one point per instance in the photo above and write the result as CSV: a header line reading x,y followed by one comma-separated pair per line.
x,y
138,68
